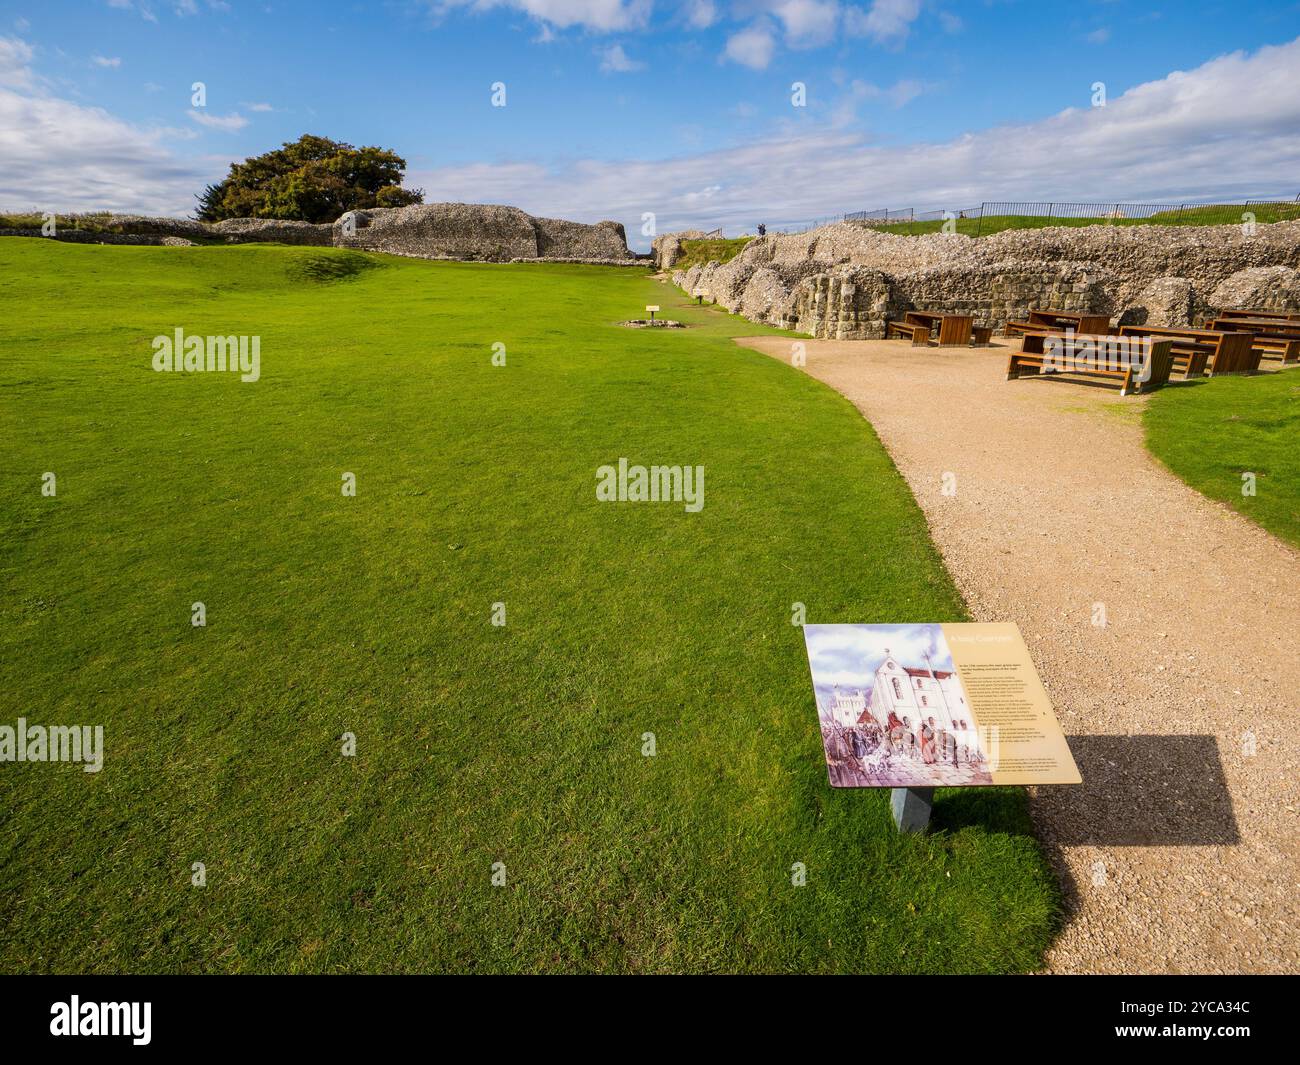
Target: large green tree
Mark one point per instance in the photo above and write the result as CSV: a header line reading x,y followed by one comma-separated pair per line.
x,y
312,179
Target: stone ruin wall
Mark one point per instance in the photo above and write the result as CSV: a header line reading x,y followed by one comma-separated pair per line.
x,y
488,233
844,281
279,231
482,232
440,231
558,239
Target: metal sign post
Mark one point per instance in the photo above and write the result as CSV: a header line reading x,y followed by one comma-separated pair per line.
x,y
911,807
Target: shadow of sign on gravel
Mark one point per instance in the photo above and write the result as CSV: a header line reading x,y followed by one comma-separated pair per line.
x,y
1144,791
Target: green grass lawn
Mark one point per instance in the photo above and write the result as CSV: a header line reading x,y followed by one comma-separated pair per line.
x,y
1214,433
371,614
1192,216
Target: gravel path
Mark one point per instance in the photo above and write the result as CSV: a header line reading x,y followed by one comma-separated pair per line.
x,y
1179,851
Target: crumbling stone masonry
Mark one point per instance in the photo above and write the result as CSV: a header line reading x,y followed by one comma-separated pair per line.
x,y
844,281
465,231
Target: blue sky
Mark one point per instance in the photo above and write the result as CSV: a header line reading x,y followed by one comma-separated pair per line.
x,y
616,108
848,656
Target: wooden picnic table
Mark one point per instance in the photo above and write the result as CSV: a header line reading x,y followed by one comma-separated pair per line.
x,y
1289,316
1222,351
1090,324
1112,357
1283,327
954,329
1273,336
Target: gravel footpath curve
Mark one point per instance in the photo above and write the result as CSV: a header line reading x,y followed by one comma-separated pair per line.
x,y
1178,853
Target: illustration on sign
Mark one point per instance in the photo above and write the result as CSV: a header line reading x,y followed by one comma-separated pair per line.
x,y
933,706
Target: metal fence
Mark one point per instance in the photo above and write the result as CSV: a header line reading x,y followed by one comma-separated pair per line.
x,y
788,228
995,216
1206,214
884,216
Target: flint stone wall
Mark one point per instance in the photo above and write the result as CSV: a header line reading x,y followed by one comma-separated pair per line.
x,y
1160,275
87,237
142,225
847,304
461,231
558,239
276,230
1166,301
1265,288
484,232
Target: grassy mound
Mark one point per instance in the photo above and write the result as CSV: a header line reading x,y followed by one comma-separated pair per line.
x,y
700,252
325,267
372,615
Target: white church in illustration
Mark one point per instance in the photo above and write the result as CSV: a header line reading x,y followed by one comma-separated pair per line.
x,y
911,695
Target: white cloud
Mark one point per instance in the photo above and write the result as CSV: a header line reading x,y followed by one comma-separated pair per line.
x,y
605,16
887,21
1098,36
21,24
129,5
752,47
702,194
897,95
613,60
259,107
701,14
1225,129
904,91
15,54
229,123
58,155
808,23
112,62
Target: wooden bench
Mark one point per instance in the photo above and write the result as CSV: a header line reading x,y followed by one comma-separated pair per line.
x,y
1274,337
1221,351
981,336
1154,359
1277,328
919,335
1039,320
954,329
1275,347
